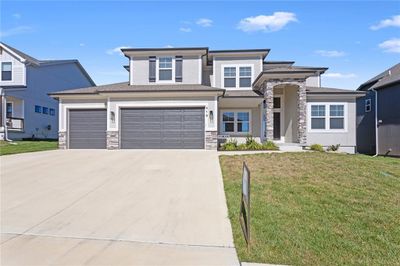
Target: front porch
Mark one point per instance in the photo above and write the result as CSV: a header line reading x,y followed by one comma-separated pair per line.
x,y
14,113
273,117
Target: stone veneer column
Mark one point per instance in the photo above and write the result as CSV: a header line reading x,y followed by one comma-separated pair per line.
x,y
62,140
112,140
302,113
269,110
211,140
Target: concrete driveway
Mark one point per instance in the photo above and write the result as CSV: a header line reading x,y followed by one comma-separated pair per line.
x,y
126,207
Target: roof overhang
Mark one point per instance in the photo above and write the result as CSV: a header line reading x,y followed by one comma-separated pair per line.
x,y
282,75
140,52
10,51
238,53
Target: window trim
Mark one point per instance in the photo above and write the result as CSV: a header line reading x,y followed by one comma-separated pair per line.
x,y
12,71
327,117
235,111
237,81
172,68
368,102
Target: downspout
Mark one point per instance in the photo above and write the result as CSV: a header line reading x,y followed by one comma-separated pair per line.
x,y
376,124
3,113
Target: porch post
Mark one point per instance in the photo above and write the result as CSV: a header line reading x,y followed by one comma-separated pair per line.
x,y
269,110
302,113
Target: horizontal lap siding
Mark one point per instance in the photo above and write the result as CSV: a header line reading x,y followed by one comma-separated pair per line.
x,y
160,128
87,129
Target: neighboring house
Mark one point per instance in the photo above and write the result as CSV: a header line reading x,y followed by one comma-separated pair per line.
x,y
194,97
26,109
378,114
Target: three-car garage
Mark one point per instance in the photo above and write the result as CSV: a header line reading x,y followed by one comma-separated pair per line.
x,y
140,128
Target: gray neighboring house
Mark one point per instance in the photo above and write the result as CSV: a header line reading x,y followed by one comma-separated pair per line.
x,y
378,114
195,98
26,110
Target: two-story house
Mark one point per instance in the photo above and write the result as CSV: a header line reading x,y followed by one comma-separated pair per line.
x,y
193,98
26,110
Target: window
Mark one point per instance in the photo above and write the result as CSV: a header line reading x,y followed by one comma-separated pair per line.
x,y
318,117
6,71
277,102
38,109
368,105
229,77
228,121
237,76
9,110
236,122
243,122
165,68
336,120
52,112
328,116
245,77
45,110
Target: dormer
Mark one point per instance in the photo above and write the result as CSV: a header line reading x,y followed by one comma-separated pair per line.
x,y
165,65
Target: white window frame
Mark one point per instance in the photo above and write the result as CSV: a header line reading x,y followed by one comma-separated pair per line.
x,y
327,117
234,111
12,71
237,66
158,69
368,102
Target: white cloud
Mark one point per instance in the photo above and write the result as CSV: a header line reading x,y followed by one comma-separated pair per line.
x,y
185,29
337,75
17,15
391,46
330,53
168,46
82,44
16,31
204,22
390,22
274,22
116,50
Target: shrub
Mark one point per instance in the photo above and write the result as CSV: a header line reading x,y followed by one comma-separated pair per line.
x,y
317,147
242,147
229,145
269,145
250,140
333,147
254,146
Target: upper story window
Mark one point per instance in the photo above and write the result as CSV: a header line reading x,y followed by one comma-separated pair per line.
x,y
229,77
6,71
237,76
245,77
45,110
165,68
327,117
38,109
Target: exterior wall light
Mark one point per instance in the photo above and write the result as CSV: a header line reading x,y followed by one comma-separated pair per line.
x,y
211,117
112,116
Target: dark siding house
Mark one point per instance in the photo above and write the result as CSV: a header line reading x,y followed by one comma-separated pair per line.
x,y
378,114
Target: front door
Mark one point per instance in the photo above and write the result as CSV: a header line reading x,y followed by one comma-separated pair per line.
x,y
277,125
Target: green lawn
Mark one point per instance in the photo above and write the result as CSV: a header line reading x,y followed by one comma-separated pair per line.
x,y
26,146
317,208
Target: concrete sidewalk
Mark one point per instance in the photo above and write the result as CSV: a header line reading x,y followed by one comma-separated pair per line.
x,y
86,207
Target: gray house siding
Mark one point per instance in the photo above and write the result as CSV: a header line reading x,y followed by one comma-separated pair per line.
x,y
366,125
40,81
389,120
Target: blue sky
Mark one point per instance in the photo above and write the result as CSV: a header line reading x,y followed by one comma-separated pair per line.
x,y
356,40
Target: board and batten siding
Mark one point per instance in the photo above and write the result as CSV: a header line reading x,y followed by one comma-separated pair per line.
x,y
191,71
18,70
347,139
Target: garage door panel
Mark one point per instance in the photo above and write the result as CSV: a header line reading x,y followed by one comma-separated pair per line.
x,y
87,129
162,128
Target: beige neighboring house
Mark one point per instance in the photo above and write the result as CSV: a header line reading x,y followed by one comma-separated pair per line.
x,y
196,98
